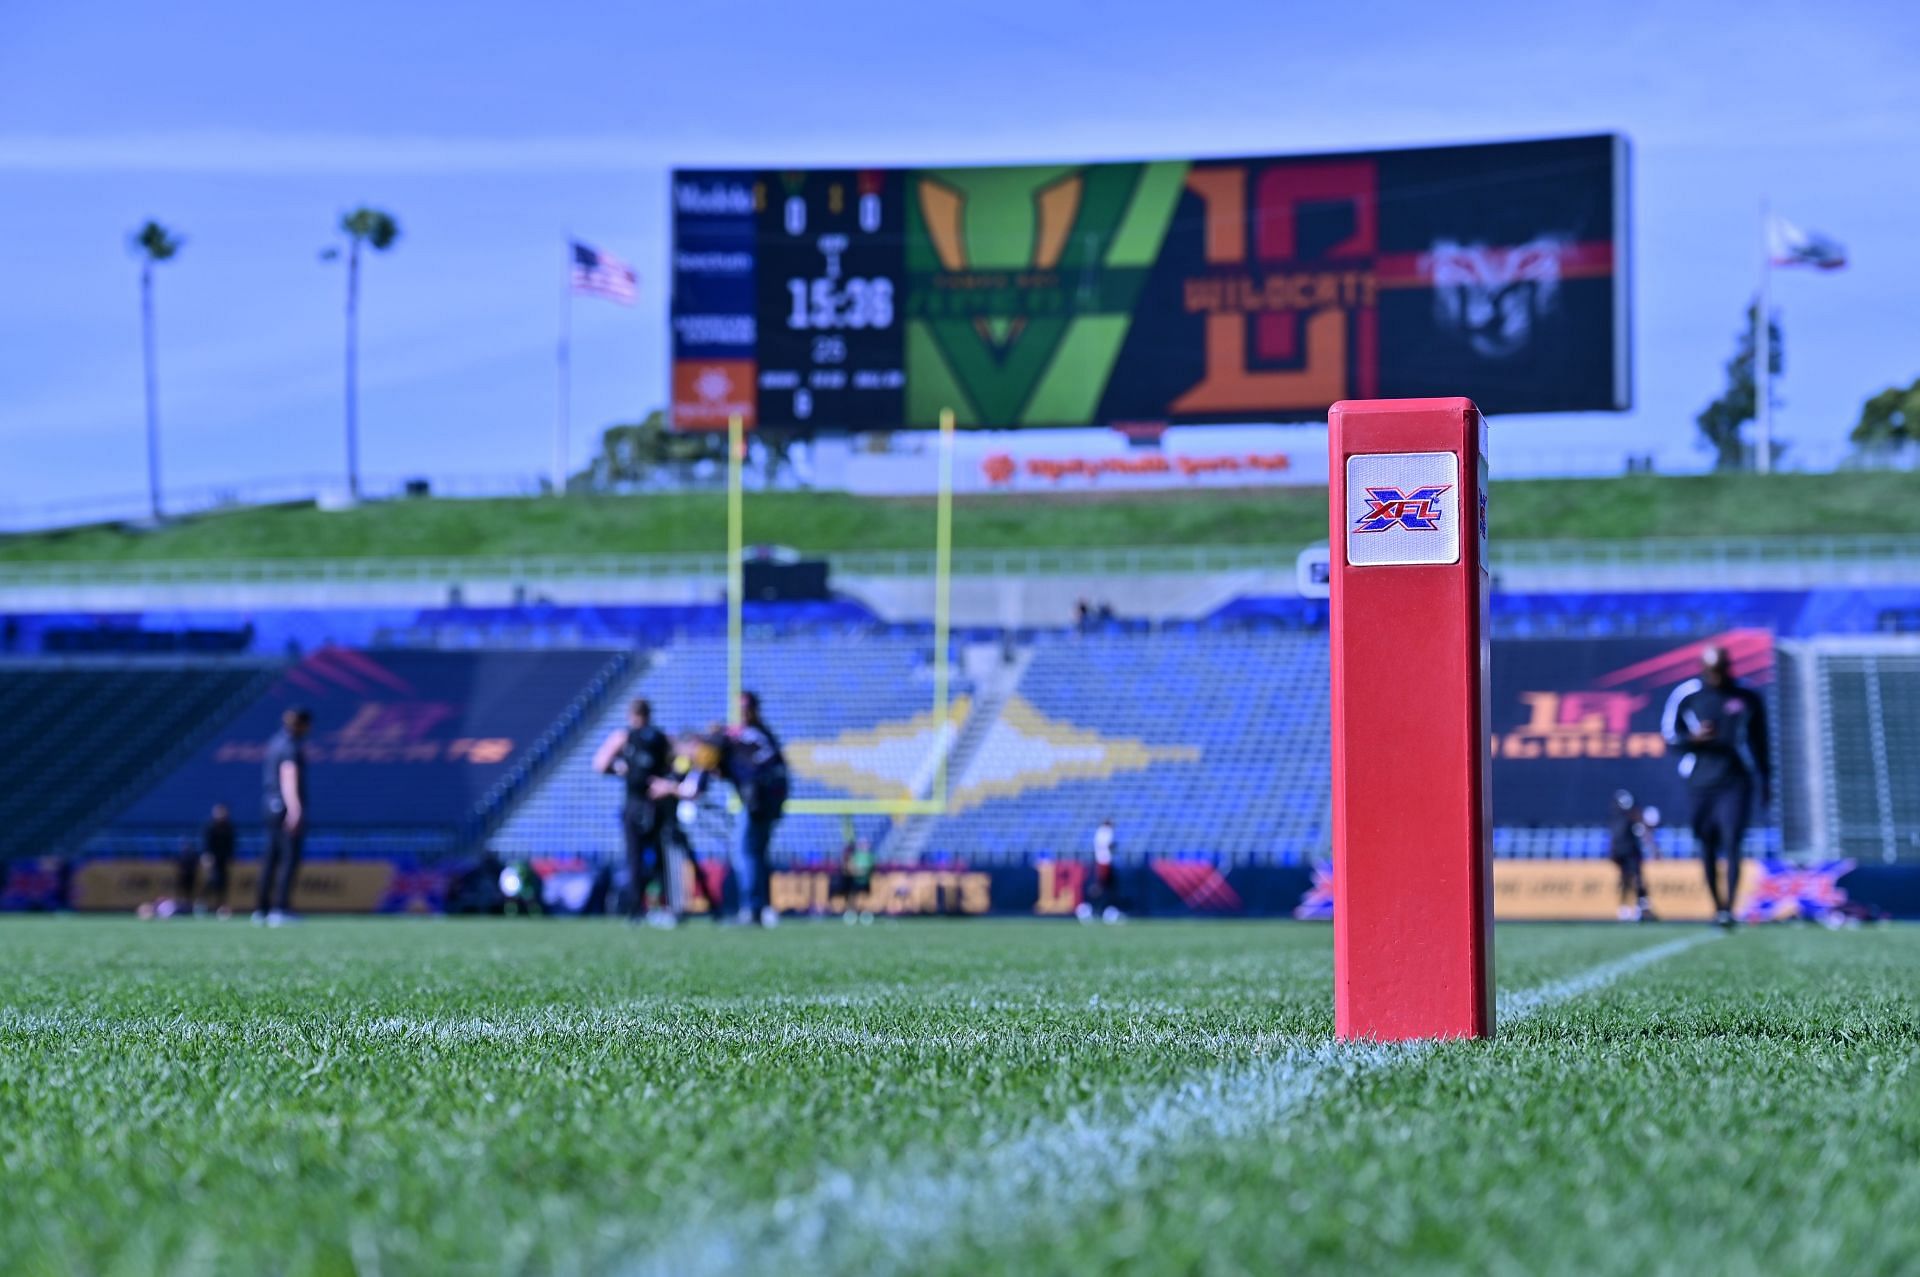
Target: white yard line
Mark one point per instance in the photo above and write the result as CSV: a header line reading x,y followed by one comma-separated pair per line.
x,y
667,1020
890,1216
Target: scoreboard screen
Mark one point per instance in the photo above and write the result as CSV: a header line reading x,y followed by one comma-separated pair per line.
x,y
828,279
1256,289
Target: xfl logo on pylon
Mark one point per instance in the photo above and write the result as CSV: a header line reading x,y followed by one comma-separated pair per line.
x,y
1416,511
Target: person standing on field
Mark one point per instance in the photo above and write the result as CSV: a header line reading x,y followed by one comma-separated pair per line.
x,y
642,755
216,861
757,768
284,784
1720,728
1103,896
1629,830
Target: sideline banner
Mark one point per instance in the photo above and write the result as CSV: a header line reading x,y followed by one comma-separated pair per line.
x,y
1524,890
123,884
1589,890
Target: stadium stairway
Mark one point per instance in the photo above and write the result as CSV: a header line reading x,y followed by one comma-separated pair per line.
x,y
1195,742
995,674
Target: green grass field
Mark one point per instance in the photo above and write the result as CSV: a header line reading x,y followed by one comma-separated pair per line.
x,y
1628,507
383,1096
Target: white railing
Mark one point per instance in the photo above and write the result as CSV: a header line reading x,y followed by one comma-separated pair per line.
x,y
1711,556
179,502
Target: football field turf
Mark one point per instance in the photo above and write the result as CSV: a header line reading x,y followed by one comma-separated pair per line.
x,y
398,1096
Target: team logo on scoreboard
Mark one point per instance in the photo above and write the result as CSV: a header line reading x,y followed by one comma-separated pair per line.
x,y
709,393
1416,511
1495,297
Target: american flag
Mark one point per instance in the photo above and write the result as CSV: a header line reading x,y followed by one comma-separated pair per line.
x,y
1788,245
601,274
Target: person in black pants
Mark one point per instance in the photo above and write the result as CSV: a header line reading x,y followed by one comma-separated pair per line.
x,y
283,781
216,861
642,755
757,768
1720,729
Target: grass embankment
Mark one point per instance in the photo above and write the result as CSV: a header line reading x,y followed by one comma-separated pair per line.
x,y
1640,506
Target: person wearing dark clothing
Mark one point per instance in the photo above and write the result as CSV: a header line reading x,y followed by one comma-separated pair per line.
x,y
757,768
1628,827
186,873
1720,728
642,755
283,780
216,860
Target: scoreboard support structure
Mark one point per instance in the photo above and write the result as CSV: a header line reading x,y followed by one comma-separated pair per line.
x,y
1413,881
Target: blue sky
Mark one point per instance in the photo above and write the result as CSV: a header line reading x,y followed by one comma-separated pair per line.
x,y
494,129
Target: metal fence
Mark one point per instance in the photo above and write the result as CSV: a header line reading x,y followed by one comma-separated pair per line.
x,y
1835,559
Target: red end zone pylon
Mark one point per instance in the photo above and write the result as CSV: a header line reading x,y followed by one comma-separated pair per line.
x,y
1413,912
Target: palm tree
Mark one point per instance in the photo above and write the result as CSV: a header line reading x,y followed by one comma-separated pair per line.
x,y
155,243
378,229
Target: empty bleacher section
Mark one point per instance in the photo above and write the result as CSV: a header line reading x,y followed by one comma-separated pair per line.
x,y
1206,738
854,711
1199,742
76,739
413,752
1867,707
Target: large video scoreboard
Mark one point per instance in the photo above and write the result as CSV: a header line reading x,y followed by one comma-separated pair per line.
x,y
1254,289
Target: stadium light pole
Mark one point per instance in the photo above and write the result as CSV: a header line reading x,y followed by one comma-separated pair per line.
x,y
155,244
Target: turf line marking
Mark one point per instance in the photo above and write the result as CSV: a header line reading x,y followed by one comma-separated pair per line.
x,y
666,1024
888,1216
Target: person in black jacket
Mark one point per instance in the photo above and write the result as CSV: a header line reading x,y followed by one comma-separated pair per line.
x,y
216,862
283,779
756,766
642,755
1629,831
1720,728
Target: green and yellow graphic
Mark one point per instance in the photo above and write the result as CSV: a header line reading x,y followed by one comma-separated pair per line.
x,y
1023,283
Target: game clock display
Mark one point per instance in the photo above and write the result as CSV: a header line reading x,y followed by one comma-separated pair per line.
x,y
829,282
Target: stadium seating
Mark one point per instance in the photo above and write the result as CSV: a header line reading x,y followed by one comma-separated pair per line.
x,y
849,700
1198,742
80,739
1871,710
414,752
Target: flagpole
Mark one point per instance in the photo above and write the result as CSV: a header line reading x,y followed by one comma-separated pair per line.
x,y
1763,347
565,370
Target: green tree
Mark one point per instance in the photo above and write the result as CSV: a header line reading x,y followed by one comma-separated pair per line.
x,y
1720,421
377,230
634,454
155,244
1890,420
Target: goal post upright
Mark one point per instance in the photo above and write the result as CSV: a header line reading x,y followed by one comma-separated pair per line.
x,y
935,804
